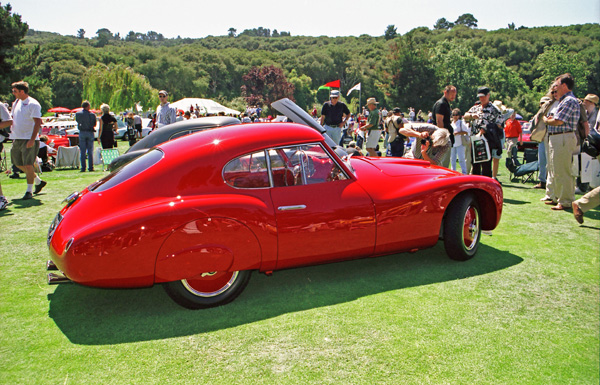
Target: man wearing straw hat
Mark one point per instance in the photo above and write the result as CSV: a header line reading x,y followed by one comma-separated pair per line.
x,y
372,127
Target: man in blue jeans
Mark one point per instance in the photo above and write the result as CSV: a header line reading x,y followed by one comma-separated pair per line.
x,y
86,121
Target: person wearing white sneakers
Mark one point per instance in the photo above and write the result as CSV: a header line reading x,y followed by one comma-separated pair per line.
x,y
27,120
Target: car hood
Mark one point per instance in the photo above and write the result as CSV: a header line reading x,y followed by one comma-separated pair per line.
x,y
403,167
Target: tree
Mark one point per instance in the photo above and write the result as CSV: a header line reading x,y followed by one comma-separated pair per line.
x,y
443,24
391,32
81,33
457,65
466,19
119,86
232,32
264,85
104,36
131,36
303,93
413,79
12,31
554,61
67,82
508,86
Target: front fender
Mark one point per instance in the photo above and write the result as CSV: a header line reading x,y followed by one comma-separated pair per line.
x,y
205,245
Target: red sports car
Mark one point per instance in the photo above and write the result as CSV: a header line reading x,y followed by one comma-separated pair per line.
x,y
199,214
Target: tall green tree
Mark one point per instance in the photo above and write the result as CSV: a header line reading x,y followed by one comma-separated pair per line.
x,y
457,65
413,80
508,86
390,32
120,87
556,61
443,24
466,19
12,31
303,93
67,83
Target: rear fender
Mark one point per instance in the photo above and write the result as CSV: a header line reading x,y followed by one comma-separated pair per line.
x,y
206,245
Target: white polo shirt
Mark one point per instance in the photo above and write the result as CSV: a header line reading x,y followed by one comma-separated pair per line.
x,y
4,114
23,113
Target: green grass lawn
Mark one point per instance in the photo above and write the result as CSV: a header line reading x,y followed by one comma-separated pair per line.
x,y
525,310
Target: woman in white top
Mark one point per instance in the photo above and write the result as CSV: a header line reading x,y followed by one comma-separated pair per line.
x,y
461,139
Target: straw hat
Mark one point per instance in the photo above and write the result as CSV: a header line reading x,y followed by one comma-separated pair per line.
x,y
372,101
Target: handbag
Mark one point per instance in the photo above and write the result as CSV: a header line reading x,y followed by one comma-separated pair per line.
x,y
480,148
591,144
538,131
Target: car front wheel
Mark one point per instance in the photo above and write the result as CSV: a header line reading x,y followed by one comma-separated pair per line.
x,y
208,290
462,228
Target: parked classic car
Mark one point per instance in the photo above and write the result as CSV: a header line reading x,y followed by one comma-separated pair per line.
x,y
527,142
199,215
122,129
170,132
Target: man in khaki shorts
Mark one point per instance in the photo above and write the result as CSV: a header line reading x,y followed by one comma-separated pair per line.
x,y
27,120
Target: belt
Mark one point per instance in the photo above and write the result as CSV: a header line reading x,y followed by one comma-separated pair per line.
x,y
558,133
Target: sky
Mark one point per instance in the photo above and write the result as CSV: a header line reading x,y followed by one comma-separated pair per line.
x,y
201,18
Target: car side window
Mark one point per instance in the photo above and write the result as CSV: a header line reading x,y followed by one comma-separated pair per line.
x,y
302,165
247,171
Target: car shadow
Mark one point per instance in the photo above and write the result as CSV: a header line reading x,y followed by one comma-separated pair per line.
x,y
90,316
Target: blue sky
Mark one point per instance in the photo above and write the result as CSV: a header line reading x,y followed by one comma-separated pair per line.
x,y
301,17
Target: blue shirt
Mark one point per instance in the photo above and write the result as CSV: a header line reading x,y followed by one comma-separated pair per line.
x,y
568,111
86,121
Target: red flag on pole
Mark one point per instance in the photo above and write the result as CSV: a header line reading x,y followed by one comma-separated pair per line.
x,y
335,83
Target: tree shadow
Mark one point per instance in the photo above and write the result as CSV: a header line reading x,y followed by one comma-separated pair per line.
x,y
90,316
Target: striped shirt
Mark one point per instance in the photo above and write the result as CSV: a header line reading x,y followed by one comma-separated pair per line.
x,y
568,111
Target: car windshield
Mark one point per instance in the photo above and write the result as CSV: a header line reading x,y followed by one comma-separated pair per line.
x,y
128,171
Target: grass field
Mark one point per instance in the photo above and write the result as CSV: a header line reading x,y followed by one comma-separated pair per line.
x,y
525,310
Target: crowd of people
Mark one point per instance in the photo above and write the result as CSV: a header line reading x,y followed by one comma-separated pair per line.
x,y
475,140
478,138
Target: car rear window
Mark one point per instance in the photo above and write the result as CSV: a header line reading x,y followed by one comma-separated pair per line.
x,y
128,171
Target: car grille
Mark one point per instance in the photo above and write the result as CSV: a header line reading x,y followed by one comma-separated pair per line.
x,y
57,219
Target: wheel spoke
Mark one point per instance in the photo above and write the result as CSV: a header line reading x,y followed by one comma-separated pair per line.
x,y
210,284
471,228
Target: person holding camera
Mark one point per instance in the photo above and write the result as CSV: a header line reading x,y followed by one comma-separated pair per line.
x,y
486,119
432,144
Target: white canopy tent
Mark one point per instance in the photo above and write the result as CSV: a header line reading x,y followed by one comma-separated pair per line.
x,y
205,106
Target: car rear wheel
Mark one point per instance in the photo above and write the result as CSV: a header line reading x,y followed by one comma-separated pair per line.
x,y
462,228
208,290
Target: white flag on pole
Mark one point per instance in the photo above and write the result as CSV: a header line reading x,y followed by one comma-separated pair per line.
x,y
356,87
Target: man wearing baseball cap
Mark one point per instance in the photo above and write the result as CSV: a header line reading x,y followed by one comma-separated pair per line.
x,y
334,115
165,114
485,118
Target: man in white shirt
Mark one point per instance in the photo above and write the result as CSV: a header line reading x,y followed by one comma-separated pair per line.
x,y
165,114
27,120
5,122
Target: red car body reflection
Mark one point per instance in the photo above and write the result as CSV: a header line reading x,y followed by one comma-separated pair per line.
x,y
200,213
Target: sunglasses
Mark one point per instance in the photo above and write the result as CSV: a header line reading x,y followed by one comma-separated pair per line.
x,y
162,96
553,92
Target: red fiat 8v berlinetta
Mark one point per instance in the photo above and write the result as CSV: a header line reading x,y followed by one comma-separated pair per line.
x,y
200,213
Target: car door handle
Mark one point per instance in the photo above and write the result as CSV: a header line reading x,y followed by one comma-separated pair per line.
x,y
290,208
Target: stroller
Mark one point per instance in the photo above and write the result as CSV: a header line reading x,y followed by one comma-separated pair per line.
x,y
527,170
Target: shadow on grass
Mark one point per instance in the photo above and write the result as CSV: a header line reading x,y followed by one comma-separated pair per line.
x,y
26,203
515,202
91,316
